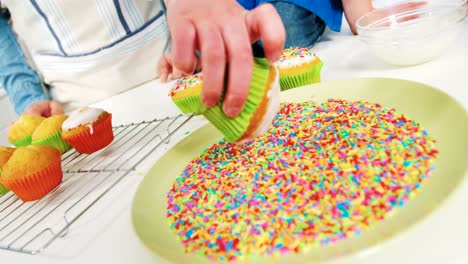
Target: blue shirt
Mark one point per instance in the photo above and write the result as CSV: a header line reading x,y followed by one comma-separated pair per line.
x,y
328,10
19,80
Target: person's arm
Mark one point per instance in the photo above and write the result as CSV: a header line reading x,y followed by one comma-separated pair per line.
x,y
21,83
222,31
354,9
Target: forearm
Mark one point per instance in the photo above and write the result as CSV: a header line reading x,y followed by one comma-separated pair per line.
x,y
21,83
354,9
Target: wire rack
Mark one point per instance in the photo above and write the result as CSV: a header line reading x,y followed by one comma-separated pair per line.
x,y
34,226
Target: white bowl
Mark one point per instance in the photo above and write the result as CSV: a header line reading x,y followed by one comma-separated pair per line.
x,y
410,32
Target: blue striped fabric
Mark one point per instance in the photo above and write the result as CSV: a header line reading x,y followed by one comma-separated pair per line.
x,y
108,12
151,30
60,25
131,14
49,26
121,17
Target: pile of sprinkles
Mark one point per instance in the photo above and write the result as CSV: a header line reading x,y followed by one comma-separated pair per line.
x,y
323,173
184,83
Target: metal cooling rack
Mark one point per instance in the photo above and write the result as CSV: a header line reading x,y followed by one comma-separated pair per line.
x,y
34,226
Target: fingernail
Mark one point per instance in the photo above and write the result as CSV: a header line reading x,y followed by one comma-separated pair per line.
x,y
233,110
208,101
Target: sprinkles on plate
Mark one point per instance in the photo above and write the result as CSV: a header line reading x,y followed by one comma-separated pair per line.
x,y
323,173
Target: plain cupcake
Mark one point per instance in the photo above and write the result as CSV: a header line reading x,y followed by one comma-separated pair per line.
x,y
21,132
49,133
32,172
5,155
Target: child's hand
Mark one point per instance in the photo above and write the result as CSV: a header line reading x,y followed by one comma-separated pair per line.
x,y
223,31
166,68
44,108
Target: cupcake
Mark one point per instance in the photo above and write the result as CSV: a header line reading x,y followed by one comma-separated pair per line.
x,y
298,67
186,94
263,103
49,133
88,130
5,154
32,172
21,131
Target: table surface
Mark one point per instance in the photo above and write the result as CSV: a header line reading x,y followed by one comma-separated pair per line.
x,y
345,56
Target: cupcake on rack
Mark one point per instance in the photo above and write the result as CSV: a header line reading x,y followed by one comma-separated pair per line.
x,y
88,130
32,172
298,67
186,94
5,155
21,132
49,133
262,105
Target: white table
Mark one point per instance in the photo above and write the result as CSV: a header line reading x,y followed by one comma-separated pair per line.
x,y
345,57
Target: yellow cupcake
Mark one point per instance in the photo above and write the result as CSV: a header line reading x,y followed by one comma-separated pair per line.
x,y
49,133
21,131
32,180
5,154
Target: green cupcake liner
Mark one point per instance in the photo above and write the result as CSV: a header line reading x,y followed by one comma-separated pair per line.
x,y
234,128
55,140
3,190
22,142
190,104
310,76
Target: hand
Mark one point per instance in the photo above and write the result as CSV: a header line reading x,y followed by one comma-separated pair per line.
x,y
44,108
166,67
223,31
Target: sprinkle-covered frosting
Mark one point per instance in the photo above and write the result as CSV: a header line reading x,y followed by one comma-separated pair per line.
x,y
184,83
82,116
296,56
323,173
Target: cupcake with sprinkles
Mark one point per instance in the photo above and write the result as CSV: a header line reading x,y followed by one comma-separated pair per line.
x,y
259,111
298,67
186,94
262,105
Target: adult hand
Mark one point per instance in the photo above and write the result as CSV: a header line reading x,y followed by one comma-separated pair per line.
x,y
222,31
44,108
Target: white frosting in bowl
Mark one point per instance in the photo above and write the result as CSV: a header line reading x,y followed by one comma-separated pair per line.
x,y
82,116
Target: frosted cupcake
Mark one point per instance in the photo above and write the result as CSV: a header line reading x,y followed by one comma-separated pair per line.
x,y
186,94
88,130
298,67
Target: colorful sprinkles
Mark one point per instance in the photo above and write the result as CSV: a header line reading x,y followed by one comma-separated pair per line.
x,y
184,83
323,173
296,52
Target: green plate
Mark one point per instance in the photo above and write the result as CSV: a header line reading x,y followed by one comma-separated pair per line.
x,y
441,115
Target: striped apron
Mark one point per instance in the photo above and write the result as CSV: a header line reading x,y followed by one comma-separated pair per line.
x,y
89,50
